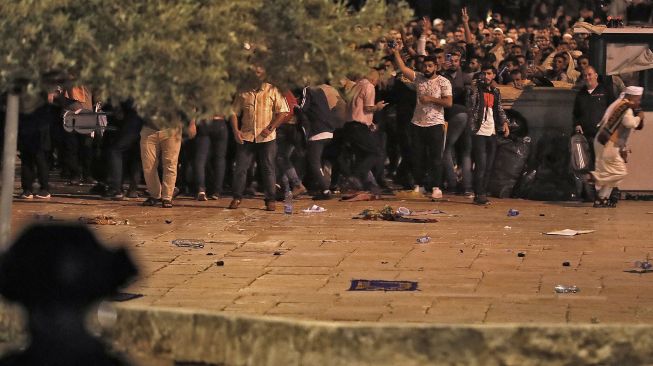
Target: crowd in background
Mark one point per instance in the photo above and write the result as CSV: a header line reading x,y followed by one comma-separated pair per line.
x,y
295,142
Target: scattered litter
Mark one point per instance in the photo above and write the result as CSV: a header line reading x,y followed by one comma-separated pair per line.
x,y
277,253
513,212
462,251
314,208
521,254
189,243
124,296
569,232
43,217
102,220
507,227
388,214
424,239
565,264
403,211
561,289
168,221
384,262
209,253
542,215
642,266
381,285
594,320
219,263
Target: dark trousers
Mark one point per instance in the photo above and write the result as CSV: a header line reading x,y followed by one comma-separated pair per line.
x,y
125,144
211,146
484,149
428,147
33,165
366,147
266,153
78,155
458,135
314,152
287,139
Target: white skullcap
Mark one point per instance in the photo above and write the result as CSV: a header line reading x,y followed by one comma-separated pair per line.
x,y
498,30
567,36
509,40
437,21
634,90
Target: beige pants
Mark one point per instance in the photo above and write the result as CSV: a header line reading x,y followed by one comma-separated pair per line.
x,y
161,145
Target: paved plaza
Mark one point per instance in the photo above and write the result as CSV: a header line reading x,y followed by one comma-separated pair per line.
x,y
481,265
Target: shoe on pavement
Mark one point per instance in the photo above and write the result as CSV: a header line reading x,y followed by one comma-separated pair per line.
x,y
26,195
132,194
468,194
300,189
43,195
270,205
436,194
151,201
234,204
202,196
113,195
481,199
166,203
419,190
322,196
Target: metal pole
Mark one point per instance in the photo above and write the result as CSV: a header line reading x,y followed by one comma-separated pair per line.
x,y
8,168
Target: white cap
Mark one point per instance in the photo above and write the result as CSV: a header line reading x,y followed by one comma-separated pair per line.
x,y
437,21
634,90
509,40
497,30
567,36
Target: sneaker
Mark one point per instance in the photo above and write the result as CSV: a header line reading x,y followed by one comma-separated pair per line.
x,y
300,189
132,194
601,203
234,204
322,196
151,201
175,192
270,205
468,194
436,194
26,195
419,190
44,195
113,195
214,196
75,182
166,203
202,196
481,199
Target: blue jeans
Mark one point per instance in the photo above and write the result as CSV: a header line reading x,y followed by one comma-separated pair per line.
x,y
458,134
211,146
286,173
484,148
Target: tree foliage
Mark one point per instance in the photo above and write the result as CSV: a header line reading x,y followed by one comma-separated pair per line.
x,y
185,55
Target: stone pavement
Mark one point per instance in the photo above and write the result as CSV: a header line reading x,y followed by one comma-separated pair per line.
x,y
301,265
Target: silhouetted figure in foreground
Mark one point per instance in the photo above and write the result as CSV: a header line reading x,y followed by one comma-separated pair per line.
x,y
57,272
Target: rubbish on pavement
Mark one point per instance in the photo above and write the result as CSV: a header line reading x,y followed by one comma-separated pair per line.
x,y
124,296
43,217
382,285
562,289
277,253
542,215
102,220
643,266
424,239
513,212
189,243
507,227
569,232
388,214
314,209
403,211
219,263
521,254
168,221
209,253
287,203
565,264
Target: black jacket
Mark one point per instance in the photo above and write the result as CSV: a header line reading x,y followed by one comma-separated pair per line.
x,y
476,106
316,115
589,108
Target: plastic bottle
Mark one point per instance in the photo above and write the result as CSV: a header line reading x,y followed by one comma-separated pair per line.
x,y
287,203
424,239
513,212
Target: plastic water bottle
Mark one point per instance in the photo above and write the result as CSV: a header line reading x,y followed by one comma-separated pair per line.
x,y
287,203
423,239
513,212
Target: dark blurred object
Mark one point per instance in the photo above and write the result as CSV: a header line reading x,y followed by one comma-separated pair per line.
x,y
57,272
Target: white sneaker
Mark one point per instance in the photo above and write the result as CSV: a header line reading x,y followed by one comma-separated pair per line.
x,y
437,193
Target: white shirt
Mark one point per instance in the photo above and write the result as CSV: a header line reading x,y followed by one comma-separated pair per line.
x,y
430,114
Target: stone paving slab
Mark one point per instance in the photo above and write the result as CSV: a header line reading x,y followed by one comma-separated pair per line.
x,y
300,266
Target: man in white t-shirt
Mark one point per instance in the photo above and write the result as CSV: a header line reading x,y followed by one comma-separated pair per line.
x,y
427,129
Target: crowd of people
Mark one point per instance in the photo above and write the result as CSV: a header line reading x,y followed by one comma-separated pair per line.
x,y
425,117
